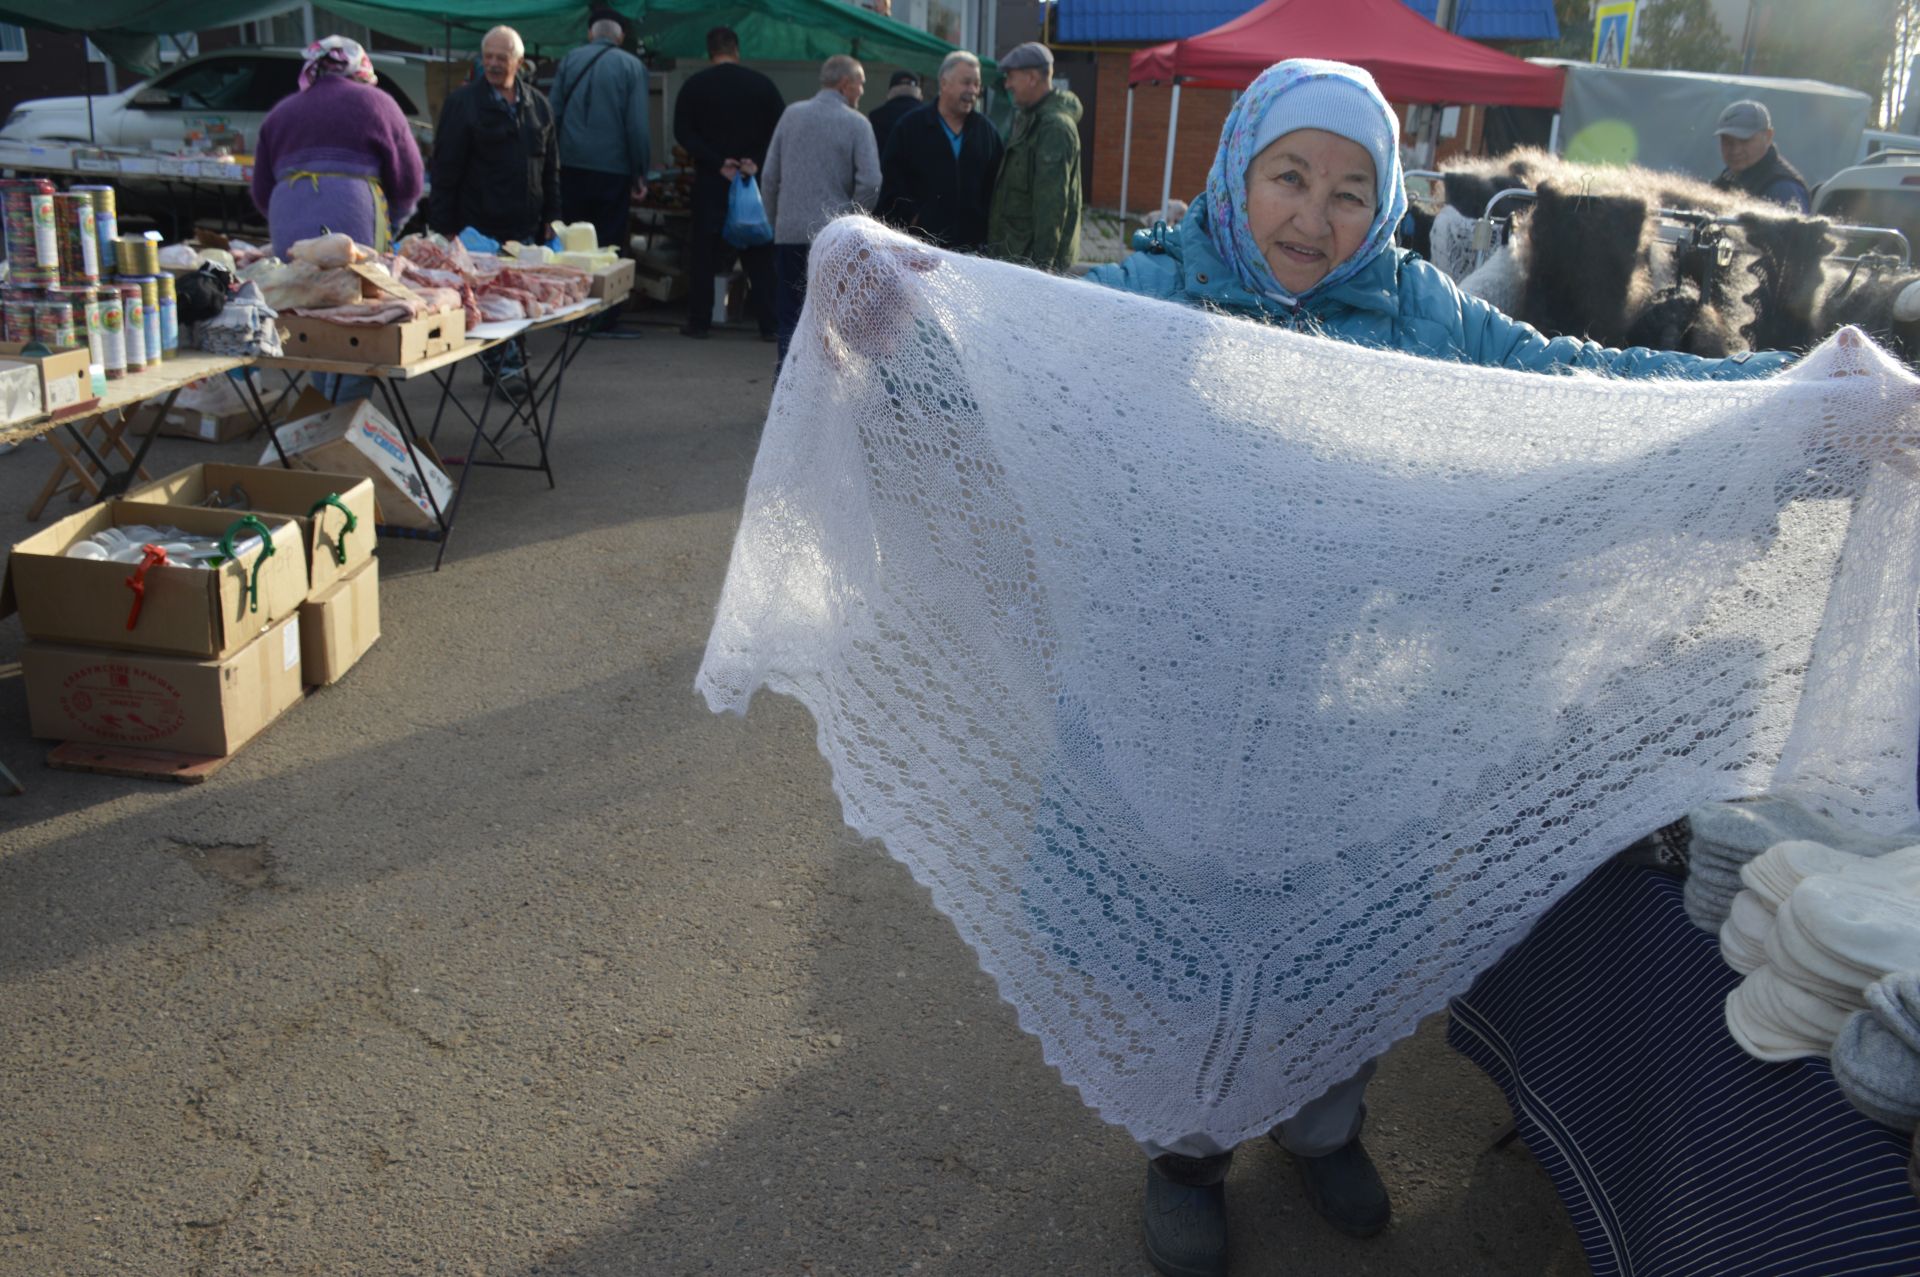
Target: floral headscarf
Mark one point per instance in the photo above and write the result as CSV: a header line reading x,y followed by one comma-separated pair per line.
x,y
1227,183
336,55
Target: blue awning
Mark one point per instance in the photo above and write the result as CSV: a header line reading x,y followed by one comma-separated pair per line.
x,y
1151,21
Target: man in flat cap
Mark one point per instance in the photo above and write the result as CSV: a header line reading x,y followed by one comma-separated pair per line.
x,y
1035,218
1754,164
903,95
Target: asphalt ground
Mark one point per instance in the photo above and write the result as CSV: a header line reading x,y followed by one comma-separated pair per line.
x,y
505,956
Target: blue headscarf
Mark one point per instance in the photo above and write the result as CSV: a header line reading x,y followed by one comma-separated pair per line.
x,y
1262,114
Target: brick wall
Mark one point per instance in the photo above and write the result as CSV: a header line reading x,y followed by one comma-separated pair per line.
x,y
1202,112
56,66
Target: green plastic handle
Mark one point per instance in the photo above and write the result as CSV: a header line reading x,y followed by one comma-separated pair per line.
x,y
247,521
340,543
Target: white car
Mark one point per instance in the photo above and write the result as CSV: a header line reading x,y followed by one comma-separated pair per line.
x,y
1884,190
236,86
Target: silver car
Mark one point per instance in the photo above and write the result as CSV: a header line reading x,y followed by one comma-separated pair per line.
x,y
234,86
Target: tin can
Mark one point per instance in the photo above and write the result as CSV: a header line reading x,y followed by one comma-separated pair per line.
x,y
106,224
86,317
19,308
79,249
53,324
133,326
113,340
169,315
137,256
32,245
150,310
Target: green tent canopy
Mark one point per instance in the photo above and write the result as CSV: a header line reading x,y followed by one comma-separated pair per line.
x,y
770,30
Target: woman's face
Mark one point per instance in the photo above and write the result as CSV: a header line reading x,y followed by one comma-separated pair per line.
x,y
1310,202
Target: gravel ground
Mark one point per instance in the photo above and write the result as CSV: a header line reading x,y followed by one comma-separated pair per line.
x,y
504,956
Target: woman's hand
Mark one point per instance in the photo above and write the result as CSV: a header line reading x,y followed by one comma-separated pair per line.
x,y
865,292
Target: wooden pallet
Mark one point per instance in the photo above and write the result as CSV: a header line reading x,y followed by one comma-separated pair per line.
x,y
140,764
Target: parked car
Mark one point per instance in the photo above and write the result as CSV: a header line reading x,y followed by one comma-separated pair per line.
x,y
1882,191
238,86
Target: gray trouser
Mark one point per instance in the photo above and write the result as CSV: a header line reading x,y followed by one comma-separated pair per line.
x,y
1320,1127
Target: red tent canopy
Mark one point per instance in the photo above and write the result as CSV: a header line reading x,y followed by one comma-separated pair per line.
x,y
1410,58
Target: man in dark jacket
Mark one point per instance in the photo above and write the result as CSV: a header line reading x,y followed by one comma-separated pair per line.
x,y
495,164
725,117
903,96
936,178
1754,164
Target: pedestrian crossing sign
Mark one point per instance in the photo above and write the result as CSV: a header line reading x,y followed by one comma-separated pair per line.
x,y
1613,32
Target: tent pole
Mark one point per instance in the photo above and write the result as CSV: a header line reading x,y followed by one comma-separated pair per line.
x,y
1126,158
1173,131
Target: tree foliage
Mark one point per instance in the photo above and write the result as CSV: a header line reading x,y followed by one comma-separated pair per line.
x,y
1681,35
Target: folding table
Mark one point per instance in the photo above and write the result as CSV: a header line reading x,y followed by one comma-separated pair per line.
x,y
535,407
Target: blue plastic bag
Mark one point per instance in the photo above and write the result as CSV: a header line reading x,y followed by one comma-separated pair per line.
x,y
478,243
746,216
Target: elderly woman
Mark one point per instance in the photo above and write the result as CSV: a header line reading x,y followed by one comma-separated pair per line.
x,y
336,156
1296,227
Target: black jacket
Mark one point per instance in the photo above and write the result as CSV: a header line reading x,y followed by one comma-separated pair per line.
x,y
492,172
888,114
1770,178
726,112
925,189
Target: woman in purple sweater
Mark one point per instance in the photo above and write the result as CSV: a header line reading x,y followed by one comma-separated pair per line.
x,y
336,156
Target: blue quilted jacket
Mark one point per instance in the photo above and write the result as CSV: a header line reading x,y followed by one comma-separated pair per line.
x,y
1398,302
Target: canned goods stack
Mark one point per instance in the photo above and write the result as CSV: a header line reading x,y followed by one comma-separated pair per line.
x,y
106,225
133,326
149,287
169,317
86,322
79,250
32,242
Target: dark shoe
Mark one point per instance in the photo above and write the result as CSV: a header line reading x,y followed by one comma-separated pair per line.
x,y
1185,1230
688,330
1346,1189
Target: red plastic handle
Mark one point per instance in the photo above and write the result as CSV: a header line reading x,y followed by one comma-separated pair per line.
x,y
153,557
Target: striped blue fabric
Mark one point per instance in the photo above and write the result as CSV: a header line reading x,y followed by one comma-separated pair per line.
x,y
1151,21
1676,1154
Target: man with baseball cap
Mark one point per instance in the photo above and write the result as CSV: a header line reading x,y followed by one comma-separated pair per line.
x,y
1754,164
903,95
1035,217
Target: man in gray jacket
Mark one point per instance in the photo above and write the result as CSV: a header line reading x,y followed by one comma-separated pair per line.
x,y
821,163
600,101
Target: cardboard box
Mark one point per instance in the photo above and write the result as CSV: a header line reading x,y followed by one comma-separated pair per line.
x,y
332,551
662,288
20,394
106,697
205,613
66,383
614,282
337,627
207,427
388,345
355,439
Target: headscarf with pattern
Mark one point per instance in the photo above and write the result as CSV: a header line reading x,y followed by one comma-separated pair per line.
x,y
336,55
1227,182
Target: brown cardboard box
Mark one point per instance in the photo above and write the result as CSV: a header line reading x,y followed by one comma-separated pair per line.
x,y
66,382
332,551
337,627
355,439
208,427
205,613
106,697
386,345
614,282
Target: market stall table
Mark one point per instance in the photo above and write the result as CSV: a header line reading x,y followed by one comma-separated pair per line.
x,y
536,407
1675,1153
85,463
